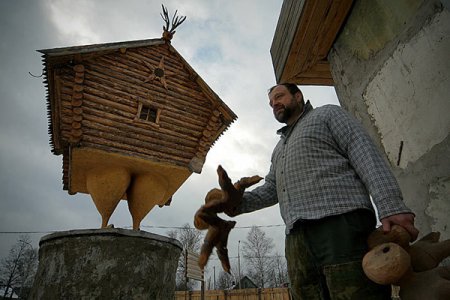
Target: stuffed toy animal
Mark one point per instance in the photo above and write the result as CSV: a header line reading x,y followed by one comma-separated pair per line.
x,y
414,268
217,201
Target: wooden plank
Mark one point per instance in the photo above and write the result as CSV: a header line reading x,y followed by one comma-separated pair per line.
x,y
284,34
135,61
123,142
192,255
317,28
198,274
299,58
103,91
99,90
317,75
98,144
330,27
143,127
193,265
158,52
180,71
117,108
167,117
120,83
130,69
107,144
193,270
95,115
134,139
247,294
130,112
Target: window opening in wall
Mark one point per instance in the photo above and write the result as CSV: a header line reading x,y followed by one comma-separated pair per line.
x,y
148,113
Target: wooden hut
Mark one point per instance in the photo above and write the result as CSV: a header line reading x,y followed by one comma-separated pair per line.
x,y
132,120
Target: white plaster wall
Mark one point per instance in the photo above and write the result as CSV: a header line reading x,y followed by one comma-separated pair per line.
x,y
409,98
439,206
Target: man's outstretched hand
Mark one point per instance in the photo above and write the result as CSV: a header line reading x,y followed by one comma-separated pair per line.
x,y
232,193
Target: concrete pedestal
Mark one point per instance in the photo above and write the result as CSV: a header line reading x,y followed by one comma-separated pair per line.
x,y
106,264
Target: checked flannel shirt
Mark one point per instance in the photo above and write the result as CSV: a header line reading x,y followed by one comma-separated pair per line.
x,y
325,164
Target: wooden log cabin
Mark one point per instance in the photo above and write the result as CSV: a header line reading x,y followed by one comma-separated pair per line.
x,y
132,121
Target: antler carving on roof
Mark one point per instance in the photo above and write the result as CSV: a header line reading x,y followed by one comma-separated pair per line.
x,y
169,28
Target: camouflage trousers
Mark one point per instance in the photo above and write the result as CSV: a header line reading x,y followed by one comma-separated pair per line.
x,y
324,259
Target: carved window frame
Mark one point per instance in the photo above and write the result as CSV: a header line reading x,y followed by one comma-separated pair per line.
x,y
151,108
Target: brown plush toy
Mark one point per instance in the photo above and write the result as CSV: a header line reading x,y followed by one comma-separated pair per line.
x,y
218,201
415,269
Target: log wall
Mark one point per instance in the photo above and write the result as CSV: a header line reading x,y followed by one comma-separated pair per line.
x,y
100,100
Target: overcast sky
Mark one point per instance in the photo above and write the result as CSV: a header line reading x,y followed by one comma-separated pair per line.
x,y
226,42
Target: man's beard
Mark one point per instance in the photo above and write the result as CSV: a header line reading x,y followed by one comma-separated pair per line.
x,y
284,115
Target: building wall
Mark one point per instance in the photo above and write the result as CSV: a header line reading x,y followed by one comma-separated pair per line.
x,y
392,71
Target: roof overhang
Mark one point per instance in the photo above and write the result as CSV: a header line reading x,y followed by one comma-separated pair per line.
x,y
100,47
305,33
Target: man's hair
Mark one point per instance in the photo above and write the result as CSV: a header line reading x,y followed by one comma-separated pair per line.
x,y
292,88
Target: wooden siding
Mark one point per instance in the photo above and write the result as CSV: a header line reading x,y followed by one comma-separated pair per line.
x,y
291,11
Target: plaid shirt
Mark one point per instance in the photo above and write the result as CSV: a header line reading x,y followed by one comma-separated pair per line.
x,y
325,164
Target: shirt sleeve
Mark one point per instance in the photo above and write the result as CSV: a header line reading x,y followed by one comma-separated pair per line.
x,y
367,161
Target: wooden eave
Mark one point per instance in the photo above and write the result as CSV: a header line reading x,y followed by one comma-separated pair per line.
x,y
100,47
57,56
305,33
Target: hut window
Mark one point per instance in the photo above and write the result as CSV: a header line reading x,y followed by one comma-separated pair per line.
x,y
148,113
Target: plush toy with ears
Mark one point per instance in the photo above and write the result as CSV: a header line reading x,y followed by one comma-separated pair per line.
x,y
392,260
217,201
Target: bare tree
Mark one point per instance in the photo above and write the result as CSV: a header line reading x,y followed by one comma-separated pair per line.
x,y
17,270
191,239
225,281
257,254
279,274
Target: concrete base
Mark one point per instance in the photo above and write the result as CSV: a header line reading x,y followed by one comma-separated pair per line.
x,y
106,264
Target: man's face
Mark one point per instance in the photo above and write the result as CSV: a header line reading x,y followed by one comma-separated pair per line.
x,y
285,106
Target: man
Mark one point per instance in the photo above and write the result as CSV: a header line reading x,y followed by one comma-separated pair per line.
x,y
322,172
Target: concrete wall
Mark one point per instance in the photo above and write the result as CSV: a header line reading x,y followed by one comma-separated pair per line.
x,y
106,264
391,65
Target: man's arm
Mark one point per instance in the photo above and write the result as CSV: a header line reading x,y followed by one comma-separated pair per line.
x,y
373,170
260,197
